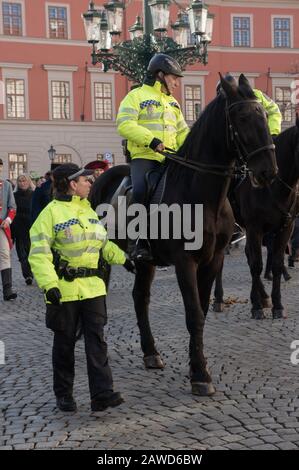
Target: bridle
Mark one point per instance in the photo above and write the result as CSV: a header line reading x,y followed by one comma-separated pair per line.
x,y
233,138
243,156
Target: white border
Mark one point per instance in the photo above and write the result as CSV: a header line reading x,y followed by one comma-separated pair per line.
x,y
291,30
101,77
18,73
241,15
22,2
60,76
68,13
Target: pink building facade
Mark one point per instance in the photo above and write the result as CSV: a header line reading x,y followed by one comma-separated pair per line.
x,y
50,94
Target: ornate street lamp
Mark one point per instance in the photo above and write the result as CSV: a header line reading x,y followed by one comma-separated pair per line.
x,y
52,154
131,57
198,15
136,31
181,30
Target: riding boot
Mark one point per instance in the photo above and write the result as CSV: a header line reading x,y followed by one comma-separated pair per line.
x,y
139,250
8,293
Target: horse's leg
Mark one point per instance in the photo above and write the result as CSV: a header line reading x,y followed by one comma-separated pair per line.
x,y
218,305
205,278
186,271
253,252
277,269
141,296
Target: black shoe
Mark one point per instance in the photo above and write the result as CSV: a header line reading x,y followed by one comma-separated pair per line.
x,y
28,281
106,400
66,403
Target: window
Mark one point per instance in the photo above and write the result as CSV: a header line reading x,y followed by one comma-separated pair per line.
x,y
192,102
17,165
58,22
63,158
241,31
282,32
12,18
60,100
283,99
15,98
103,101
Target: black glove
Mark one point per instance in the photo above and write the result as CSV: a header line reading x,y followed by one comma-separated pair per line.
x,y
154,143
54,296
129,266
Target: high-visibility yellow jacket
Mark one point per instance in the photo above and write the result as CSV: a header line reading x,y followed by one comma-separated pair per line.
x,y
273,111
71,227
147,113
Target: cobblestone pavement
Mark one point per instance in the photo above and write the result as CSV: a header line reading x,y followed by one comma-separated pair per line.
x,y
256,405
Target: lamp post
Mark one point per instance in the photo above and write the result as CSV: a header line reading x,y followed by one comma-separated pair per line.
x,y
103,29
52,154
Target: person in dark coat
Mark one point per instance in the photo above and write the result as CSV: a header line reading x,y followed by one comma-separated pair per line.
x,y
42,195
22,223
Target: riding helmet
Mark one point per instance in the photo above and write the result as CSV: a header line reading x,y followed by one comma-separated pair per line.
x,y
164,63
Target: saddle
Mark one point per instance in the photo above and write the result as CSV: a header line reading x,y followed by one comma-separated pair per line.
x,y
122,198
155,186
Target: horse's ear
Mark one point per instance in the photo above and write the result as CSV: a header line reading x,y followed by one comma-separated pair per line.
x,y
228,89
243,81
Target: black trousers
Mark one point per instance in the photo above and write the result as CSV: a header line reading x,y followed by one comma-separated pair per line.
x,y
23,248
140,166
93,317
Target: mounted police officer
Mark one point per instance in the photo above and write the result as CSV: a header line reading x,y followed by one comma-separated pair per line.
x,y
273,112
150,118
66,240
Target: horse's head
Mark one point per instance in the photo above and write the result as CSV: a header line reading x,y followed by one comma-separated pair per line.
x,y
248,131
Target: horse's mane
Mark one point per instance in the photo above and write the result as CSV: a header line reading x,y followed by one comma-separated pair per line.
x,y
203,130
210,126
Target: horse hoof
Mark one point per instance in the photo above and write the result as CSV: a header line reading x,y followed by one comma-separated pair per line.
x,y
267,303
218,307
203,389
257,314
153,362
279,313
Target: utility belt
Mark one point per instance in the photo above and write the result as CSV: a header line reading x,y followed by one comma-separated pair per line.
x,y
69,273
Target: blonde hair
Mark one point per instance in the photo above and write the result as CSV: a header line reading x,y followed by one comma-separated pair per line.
x,y
28,179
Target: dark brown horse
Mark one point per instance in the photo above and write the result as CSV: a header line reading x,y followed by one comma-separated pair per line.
x,y
231,127
270,210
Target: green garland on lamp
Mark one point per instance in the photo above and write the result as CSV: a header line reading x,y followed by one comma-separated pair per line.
x,y
131,58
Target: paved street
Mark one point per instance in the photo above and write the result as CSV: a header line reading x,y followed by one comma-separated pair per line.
x,y
256,405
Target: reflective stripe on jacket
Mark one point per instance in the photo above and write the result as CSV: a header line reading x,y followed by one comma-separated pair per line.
x,y
273,111
71,227
147,113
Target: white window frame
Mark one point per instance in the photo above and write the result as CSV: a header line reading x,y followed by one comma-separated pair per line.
x,y
68,13
284,82
99,76
191,79
22,2
17,72
60,74
9,162
242,15
291,18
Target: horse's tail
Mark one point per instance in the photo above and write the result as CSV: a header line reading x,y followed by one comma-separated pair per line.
x,y
105,185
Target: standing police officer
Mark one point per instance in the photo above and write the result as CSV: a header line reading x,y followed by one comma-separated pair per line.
x,y
70,229
150,118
